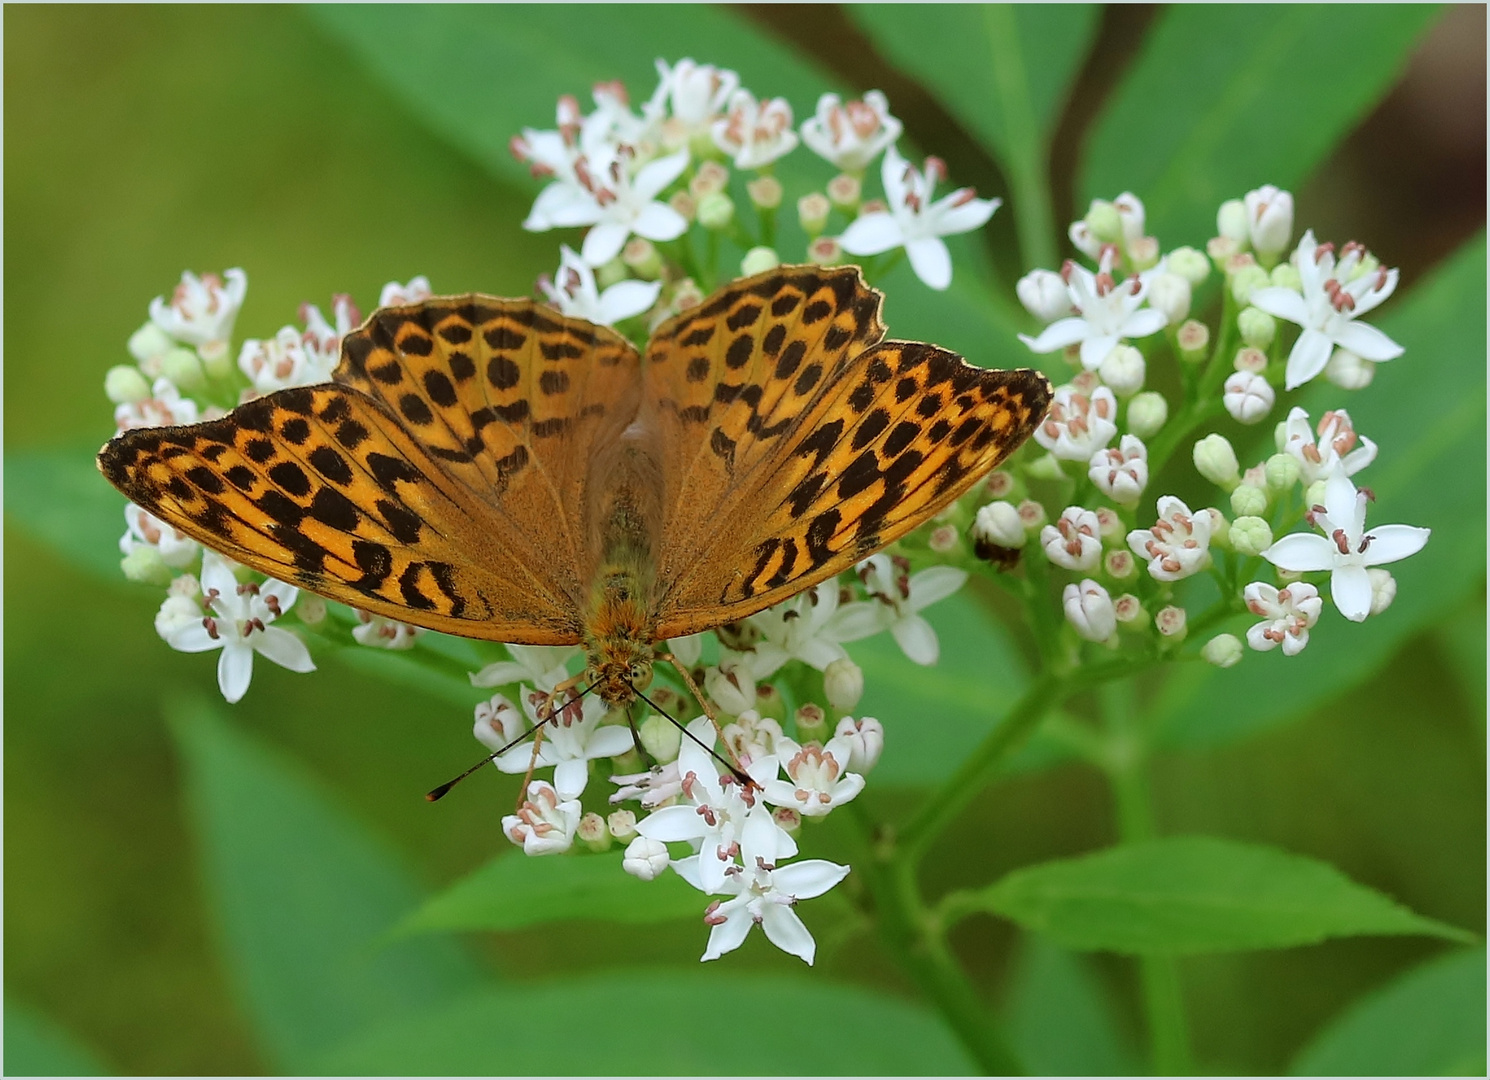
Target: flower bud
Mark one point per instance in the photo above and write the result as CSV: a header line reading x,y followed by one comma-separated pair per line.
x,y
1231,221
1348,371
812,211
758,260
685,204
866,737
612,272
1123,370
1147,413
1143,252
1216,461
1269,220
1221,249
998,533
1383,589
1170,294
845,191
1044,295
176,612
825,251
716,211
144,566
641,257
661,738
184,368
1286,276
686,294
1108,523
769,703
1246,281
147,345
1119,564
1248,500
1282,472
592,832
943,539
1193,339
1247,397
1250,535
999,483
812,723
765,192
1089,609
1104,222
310,609
621,824
497,722
1258,328
1250,360
1032,515
710,179
1171,622
1128,609
843,683
787,820
124,383
1188,264
1045,467
1223,650
1220,529
1314,494
731,686
645,858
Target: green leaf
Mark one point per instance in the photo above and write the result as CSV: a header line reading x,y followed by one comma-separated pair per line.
x,y
301,892
1060,1018
1197,894
1224,98
36,1045
1426,410
1428,1022
58,497
663,1023
513,891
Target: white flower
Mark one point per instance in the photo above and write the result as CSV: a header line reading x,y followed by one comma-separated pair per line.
x,y
299,357
761,892
1000,525
606,196
1383,589
697,94
1346,549
1287,615
1123,369
378,632
843,684
238,624
202,310
818,780
1089,609
652,788
1333,297
1043,294
1179,543
544,824
1077,425
1170,294
755,133
850,136
896,598
165,406
751,737
396,295
916,223
731,685
177,613
1348,371
543,665
574,293
570,740
1107,311
687,650
1269,219
866,741
801,628
1336,446
498,722
1074,540
715,811
645,858
1247,397
1123,473
146,530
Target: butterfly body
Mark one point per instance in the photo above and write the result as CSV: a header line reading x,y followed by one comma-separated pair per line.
x,y
492,469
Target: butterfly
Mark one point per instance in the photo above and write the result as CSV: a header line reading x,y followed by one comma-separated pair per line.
x,y
494,469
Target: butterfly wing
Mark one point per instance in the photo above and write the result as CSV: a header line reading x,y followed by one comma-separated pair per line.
x,y
795,441
439,478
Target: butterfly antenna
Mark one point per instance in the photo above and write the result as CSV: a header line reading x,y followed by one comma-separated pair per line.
x,y
444,789
738,773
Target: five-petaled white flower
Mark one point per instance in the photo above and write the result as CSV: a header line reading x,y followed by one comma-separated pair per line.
x,y
916,223
1346,549
1074,541
762,893
299,357
146,530
1179,543
378,632
802,628
1287,614
850,136
896,598
574,293
755,133
571,738
1122,473
1336,445
545,823
164,406
237,622
1107,312
1334,296
817,781
696,95
202,310
1247,396
1078,425
1089,609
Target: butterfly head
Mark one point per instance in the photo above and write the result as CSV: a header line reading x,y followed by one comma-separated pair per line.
x,y
618,669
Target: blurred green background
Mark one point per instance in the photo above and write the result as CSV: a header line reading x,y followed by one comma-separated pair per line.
x,y
144,140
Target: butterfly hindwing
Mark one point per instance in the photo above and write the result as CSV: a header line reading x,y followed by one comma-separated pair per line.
x,y
816,447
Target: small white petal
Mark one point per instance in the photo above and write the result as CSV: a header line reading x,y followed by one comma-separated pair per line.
x,y
917,639
728,935
871,234
1302,553
655,176
787,932
193,637
1310,354
931,261
1280,302
284,648
609,740
571,777
658,221
1350,589
672,823
235,668
627,298
973,214
933,584
1059,334
1392,542
1367,342
809,878
604,242
1142,323
1095,349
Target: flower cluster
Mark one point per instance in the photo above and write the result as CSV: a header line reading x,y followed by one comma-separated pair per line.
x,y
1106,436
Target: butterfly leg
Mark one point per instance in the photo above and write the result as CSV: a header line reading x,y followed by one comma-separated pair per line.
x,y
682,670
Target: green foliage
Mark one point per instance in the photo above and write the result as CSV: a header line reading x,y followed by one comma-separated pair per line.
x,y
1060,1016
656,1023
1427,1022
1224,98
37,1046
67,505
301,891
1197,894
